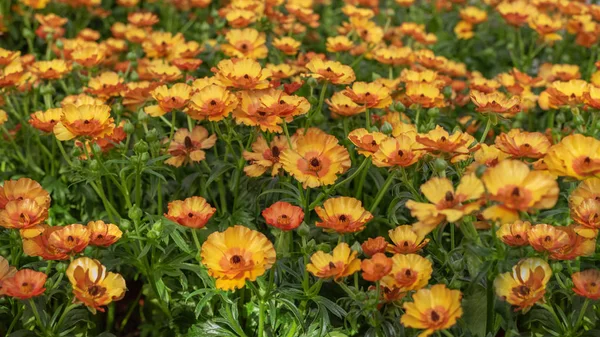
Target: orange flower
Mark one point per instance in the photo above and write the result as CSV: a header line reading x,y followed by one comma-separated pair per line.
x,y
575,156
584,203
93,285
401,151
36,243
439,142
158,44
25,284
236,255
409,272
576,246
547,238
432,309
426,95
446,204
516,188
136,94
245,43
525,285
168,99
406,240
374,245
370,95
50,70
330,71
495,102
103,234
336,44
342,105
45,120
264,156
515,234
569,93
516,13
22,214
587,283
241,74
283,215
70,239
521,144
213,102
142,19
91,121
6,271
193,212
278,103
316,159
376,268
287,45
341,263
366,142
105,85
343,215
187,147
250,112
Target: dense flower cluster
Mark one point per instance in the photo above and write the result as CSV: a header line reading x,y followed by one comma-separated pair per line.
x,y
254,168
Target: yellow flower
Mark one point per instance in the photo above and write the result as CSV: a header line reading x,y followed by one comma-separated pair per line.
x,y
245,43
495,102
105,85
406,240
521,144
336,44
93,285
213,102
341,263
50,70
426,95
569,93
525,285
265,156
401,151
330,71
432,309
236,255
343,215
518,189
287,45
514,234
446,203
91,121
576,156
366,142
370,95
242,74
409,272
464,30
439,142
3,117
316,159
473,15
342,105
168,99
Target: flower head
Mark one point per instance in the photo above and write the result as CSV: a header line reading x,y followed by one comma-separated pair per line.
x,y
93,285
341,263
405,240
343,215
212,102
187,147
432,309
103,234
366,142
330,71
439,142
24,284
245,43
587,283
375,268
91,121
576,156
283,215
374,245
400,151
521,144
369,95
236,255
6,271
70,239
342,105
264,156
316,159
525,285
495,102
409,272
242,74
515,234
193,212
168,99
46,120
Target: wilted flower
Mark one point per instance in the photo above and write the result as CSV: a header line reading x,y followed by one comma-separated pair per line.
x,y
187,147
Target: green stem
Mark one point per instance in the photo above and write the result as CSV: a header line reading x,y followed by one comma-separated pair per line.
x,y
64,153
63,316
488,126
452,244
196,241
383,191
581,314
36,314
15,320
261,318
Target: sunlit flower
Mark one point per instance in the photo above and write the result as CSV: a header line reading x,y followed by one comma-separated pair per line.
x,y
50,70
432,309
516,13
45,120
342,105
341,263
576,156
24,213
525,285
473,15
93,285
264,156
168,99
142,19
283,215
569,93
336,44
366,142
70,239
213,102
446,204
103,234
375,268
187,147
36,242
547,238
370,95
236,255
330,71
518,189
439,142
522,144
193,212
245,43
464,30
91,121
316,159
495,102
105,85
287,45
24,284
241,74
587,283
401,151
409,272
158,44
6,271
343,215
426,95
515,234
374,245
405,240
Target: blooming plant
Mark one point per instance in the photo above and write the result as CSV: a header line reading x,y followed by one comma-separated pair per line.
x,y
299,168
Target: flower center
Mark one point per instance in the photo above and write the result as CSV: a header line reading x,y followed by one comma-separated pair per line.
x,y
235,259
190,215
275,151
96,290
435,316
213,102
188,142
449,196
315,164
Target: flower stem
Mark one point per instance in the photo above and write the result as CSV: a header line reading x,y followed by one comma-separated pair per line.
x,y
261,318
36,314
383,191
581,314
488,125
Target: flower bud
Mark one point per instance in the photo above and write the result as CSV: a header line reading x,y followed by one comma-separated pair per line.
x,y
152,135
140,147
387,128
28,34
59,44
303,230
399,107
94,166
131,56
324,247
312,82
61,267
433,112
157,226
578,120
480,170
47,90
144,157
440,165
142,116
125,225
129,128
135,213
313,101
134,76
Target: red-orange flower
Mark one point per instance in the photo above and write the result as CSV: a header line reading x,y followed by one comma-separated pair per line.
x,y
587,283
376,268
103,234
374,245
193,212
283,215
25,284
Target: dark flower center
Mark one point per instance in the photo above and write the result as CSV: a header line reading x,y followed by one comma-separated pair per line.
x,y
515,192
435,316
449,196
275,151
188,142
235,259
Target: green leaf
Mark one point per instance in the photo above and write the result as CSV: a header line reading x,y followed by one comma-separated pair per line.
x,y
475,311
